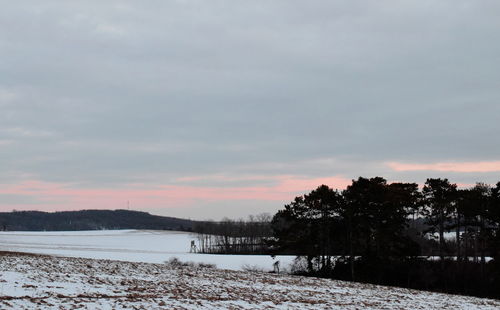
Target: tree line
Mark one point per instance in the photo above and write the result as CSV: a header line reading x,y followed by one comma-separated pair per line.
x,y
89,220
241,236
395,234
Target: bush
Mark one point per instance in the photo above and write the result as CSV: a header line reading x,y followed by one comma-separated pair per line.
x,y
252,268
299,266
174,262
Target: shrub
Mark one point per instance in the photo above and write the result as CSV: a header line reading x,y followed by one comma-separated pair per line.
x,y
174,262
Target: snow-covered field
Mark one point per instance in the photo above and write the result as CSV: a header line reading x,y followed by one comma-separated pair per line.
x,y
125,269
148,246
31,281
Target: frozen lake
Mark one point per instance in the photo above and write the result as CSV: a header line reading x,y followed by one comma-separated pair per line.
x,y
149,246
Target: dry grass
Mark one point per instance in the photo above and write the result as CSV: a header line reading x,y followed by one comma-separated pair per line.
x,y
48,282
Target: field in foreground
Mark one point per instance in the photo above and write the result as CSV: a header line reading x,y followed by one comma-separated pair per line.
x,y
30,281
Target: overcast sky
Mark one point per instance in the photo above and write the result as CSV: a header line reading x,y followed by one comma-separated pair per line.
x,y
205,109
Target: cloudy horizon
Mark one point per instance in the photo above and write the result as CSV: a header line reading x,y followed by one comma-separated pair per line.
x,y
206,109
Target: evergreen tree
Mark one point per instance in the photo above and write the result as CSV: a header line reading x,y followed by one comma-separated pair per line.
x,y
306,226
439,199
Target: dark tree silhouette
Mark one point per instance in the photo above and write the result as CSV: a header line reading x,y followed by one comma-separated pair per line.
x,y
307,225
364,234
439,199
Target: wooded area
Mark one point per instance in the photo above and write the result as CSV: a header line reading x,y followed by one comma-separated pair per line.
x,y
368,233
228,236
89,220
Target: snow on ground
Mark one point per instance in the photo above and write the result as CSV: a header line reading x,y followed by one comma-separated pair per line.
x,y
148,246
30,281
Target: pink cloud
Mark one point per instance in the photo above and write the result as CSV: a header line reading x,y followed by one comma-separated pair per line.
x,y
59,196
479,166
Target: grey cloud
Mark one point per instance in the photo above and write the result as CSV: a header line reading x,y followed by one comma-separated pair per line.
x,y
132,91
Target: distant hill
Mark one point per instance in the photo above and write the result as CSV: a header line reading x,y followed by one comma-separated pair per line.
x,y
89,220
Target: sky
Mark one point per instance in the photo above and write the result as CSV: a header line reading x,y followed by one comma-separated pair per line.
x,y
226,108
